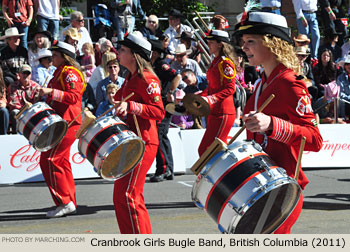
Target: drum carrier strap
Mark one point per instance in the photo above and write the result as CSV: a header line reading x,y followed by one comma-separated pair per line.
x,y
65,69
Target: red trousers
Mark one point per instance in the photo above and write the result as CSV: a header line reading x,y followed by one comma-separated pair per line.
x,y
285,228
217,127
57,170
129,204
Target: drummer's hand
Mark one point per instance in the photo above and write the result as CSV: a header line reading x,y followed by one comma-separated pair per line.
x,y
122,108
45,91
257,122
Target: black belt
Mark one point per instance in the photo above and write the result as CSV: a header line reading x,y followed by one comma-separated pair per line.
x,y
309,11
270,8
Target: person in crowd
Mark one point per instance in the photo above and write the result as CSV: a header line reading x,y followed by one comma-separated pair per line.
x,y
19,14
219,22
105,105
123,16
72,36
302,52
221,87
113,69
324,106
146,108
41,40
289,115
307,22
22,91
330,42
188,40
169,56
301,40
151,29
103,22
169,80
175,29
332,13
102,46
48,16
43,73
325,71
77,21
4,113
345,48
101,72
13,55
272,6
182,62
182,121
88,60
343,80
193,82
64,94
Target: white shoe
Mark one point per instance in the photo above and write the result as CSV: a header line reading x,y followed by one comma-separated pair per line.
x,y
62,210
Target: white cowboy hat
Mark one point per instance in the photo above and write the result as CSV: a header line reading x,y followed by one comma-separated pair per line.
x,y
42,53
11,32
181,49
344,60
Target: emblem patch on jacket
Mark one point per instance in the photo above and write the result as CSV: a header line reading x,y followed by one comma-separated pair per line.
x,y
153,88
71,77
304,105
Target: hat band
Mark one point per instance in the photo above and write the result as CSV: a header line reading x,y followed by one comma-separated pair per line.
x,y
241,28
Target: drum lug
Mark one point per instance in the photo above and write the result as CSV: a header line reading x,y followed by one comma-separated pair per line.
x,y
244,148
233,206
209,179
257,146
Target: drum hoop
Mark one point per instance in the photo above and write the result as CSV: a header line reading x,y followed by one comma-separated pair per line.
x,y
35,120
257,196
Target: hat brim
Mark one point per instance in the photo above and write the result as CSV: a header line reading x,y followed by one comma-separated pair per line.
x,y
300,40
46,33
263,29
64,51
136,48
9,36
217,38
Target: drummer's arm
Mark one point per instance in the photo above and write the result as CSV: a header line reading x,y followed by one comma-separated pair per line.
x,y
228,89
173,86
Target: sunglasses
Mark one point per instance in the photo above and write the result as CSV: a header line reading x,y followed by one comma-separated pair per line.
x,y
112,67
153,22
80,20
185,78
26,73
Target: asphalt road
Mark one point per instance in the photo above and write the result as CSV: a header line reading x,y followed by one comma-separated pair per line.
x,y
23,207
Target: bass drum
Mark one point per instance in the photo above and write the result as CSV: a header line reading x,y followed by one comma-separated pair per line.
x,y
111,147
244,191
40,124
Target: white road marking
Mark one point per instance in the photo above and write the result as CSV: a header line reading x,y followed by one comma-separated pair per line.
x,y
185,183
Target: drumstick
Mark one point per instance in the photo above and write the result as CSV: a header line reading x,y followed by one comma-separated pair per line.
x,y
259,110
116,105
302,144
137,126
76,118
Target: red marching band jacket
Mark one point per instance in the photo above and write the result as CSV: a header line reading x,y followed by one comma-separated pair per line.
x,y
292,118
68,87
219,93
146,104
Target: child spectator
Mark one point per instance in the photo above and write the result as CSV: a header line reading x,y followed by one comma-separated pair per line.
x,y
88,60
43,73
183,121
111,90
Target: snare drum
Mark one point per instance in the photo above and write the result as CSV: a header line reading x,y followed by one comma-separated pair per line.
x,y
41,126
244,191
111,147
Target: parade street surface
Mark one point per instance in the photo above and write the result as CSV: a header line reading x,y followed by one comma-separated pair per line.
x,y
23,207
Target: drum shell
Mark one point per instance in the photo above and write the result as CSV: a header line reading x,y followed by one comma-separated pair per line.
x,y
43,128
106,137
228,201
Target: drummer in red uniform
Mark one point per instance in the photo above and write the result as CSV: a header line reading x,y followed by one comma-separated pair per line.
x,y
220,90
147,105
64,94
281,126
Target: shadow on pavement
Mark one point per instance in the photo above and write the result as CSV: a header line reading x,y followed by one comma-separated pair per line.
x,y
344,198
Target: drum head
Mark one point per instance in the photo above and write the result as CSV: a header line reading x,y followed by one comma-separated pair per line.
x,y
123,159
51,136
256,220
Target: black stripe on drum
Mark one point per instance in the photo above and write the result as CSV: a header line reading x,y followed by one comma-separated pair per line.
x,y
232,181
101,137
35,120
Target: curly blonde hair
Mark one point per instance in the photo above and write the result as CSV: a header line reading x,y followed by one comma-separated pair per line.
x,y
284,52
